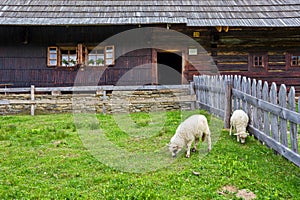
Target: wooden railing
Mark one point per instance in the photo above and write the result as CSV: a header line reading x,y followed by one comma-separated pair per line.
x,y
189,97
273,116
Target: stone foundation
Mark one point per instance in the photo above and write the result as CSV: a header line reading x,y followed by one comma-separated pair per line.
x,y
99,102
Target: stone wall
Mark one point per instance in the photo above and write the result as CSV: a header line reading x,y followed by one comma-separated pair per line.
x,y
99,102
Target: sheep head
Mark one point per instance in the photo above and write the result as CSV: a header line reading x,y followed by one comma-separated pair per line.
x,y
242,136
174,149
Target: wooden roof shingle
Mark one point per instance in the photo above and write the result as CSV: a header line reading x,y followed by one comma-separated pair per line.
x,y
266,13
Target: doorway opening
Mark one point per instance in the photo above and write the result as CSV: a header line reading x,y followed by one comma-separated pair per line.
x,y
169,68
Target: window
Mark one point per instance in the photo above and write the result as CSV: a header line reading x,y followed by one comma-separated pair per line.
x,y
70,56
258,60
295,60
52,56
109,55
96,57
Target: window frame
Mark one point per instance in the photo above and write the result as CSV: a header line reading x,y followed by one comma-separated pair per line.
x,y
93,51
111,54
82,55
289,60
258,61
49,57
71,52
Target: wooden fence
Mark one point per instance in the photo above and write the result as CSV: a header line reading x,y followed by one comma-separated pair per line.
x,y
147,94
272,111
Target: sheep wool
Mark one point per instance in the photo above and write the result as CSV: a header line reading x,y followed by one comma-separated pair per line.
x,y
190,130
239,121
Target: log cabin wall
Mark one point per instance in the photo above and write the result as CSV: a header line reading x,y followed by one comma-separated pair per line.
x,y
23,56
233,51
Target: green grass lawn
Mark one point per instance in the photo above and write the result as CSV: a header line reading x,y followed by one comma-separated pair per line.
x,y
64,157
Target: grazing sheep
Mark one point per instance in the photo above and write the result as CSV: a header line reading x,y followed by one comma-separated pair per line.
x,y
192,129
239,121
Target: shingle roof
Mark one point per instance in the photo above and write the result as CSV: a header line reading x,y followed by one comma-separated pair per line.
x,y
274,13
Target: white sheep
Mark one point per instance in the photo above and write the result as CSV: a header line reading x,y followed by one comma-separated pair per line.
x,y
239,121
192,129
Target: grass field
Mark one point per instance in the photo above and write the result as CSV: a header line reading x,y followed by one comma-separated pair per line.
x,y
62,157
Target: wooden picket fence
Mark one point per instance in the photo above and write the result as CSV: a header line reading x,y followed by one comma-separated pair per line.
x,y
272,111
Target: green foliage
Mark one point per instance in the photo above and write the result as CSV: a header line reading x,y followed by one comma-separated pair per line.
x,y
42,157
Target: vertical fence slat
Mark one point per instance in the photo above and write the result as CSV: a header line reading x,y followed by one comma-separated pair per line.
x,y
32,97
265,93
228,104
283,123
293,126
235,100
274,118
248,106
244,90
259,111
254,118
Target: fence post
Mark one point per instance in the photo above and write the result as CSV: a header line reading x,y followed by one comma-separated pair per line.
x,y
228,97
192,92
32,88
103,105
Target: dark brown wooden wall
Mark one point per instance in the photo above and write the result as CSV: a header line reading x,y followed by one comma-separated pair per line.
x,y
230,51
25,64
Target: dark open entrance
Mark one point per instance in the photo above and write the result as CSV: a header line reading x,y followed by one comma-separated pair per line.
x,y
169,68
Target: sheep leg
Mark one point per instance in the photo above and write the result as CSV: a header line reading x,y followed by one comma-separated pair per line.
x,y
230,129
238,138
188,150
194,149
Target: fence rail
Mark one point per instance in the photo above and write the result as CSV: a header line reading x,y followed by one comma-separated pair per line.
x,y
272,111
149,94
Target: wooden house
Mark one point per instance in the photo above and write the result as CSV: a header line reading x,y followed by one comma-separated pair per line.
x,y
53,43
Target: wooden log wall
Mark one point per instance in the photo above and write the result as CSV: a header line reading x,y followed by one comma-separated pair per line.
x,y
235,46
231,50
25,64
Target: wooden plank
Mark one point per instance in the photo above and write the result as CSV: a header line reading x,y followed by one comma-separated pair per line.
x,y
259,110
244,89
216,112
281,149
192,92
254,117
274,117
14,90
4,102
95,88
265,93
235,99
32,99
249,109
293,125
283,122
228,105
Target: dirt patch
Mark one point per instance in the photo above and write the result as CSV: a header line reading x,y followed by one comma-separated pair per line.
x,y
231,191
247,195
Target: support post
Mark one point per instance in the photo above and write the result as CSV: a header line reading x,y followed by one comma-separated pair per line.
x,y
192,92
103,105
32,99
228,100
